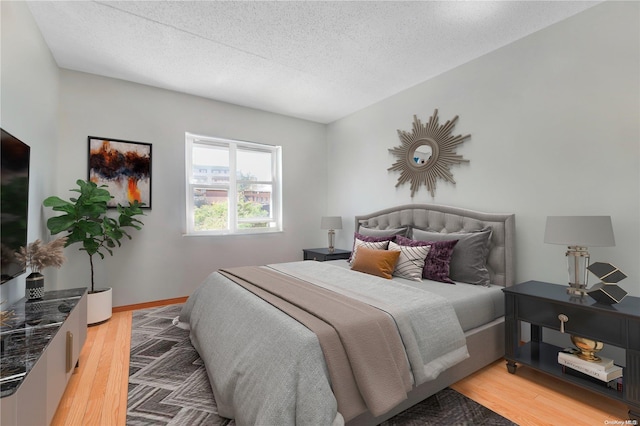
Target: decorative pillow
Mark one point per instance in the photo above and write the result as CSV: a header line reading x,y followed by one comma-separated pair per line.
x,y
375,262
410,262
469,258
368,239
437,263
371,232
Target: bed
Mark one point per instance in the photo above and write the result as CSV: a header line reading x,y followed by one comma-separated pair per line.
x,y
270,363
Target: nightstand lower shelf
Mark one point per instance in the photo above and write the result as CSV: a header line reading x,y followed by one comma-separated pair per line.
x,y
544,357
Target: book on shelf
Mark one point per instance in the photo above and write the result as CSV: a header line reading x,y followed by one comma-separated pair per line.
x,y
611,373
616,384
602,365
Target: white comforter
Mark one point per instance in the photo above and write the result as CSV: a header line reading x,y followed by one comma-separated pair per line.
x,y
266,368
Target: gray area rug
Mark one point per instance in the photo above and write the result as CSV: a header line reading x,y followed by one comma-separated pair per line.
x,y
168,384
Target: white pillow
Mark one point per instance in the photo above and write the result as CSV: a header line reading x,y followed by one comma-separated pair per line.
x,y
410,262
377,245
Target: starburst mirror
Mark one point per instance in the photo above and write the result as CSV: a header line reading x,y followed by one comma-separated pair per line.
x,y
427,153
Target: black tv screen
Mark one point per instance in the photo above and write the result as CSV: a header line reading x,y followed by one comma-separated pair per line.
x,y
14,202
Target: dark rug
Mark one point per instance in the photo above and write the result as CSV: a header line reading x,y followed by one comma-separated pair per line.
x,y
168,384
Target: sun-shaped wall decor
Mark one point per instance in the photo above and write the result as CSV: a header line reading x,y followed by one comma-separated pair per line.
x,y
426,153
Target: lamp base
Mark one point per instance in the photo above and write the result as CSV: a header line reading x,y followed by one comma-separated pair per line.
x,y
331,235
577,262
577,289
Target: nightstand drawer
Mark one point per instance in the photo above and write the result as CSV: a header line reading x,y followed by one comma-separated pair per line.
x,y
582,322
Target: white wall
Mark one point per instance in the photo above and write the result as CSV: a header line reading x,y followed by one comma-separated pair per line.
x,y
555,130
29,111
159,262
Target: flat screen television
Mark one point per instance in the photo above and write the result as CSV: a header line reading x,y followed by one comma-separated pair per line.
x,y
14,202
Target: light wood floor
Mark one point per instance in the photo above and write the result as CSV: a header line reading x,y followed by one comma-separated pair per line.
x,y
97,392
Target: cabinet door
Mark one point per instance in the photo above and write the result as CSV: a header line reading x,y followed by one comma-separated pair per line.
x,y
8,410
31,396
62,354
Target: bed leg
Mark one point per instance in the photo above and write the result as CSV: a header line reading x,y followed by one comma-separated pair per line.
x,y
511,367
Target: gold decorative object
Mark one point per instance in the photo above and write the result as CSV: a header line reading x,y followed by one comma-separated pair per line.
x,y
426,153
587,348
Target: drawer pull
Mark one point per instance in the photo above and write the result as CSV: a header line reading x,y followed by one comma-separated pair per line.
x,y
69,351
563,318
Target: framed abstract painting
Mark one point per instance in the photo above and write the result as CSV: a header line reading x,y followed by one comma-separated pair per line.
x,y
124,167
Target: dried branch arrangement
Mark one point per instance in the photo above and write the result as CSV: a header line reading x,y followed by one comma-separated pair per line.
x,y
5,316
38,256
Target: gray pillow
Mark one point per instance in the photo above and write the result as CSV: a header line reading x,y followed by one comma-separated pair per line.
x,y
469,258
372,232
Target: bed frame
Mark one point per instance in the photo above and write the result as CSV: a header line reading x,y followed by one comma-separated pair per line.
x,y
485,343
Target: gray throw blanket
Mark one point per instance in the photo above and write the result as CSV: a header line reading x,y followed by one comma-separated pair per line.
x,y
356,339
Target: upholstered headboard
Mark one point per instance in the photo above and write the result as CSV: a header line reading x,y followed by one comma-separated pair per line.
x,y
446,219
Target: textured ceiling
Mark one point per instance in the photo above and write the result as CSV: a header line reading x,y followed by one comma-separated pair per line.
x,y
314,60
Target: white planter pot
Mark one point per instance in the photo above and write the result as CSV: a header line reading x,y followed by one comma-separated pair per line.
x,y
99,306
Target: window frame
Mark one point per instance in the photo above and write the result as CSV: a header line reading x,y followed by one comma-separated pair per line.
x,y
192,140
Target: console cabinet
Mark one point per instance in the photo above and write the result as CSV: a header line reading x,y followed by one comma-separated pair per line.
x,y
40,347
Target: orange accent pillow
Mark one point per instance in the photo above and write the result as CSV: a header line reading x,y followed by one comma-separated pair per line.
x,y
375,262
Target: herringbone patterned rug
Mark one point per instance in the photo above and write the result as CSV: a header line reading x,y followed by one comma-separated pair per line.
x,y
168,384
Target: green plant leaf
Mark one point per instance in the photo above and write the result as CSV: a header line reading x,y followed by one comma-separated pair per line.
x,y
93,210
76,236
54,202
60,223
90,227
91,245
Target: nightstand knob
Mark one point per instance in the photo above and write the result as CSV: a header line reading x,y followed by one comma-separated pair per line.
x,y
563,318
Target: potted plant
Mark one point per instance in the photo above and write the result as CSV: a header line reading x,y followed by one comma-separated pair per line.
x,y
37,256
86,220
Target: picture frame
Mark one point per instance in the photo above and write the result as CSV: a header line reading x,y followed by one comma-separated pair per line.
x,y
123,166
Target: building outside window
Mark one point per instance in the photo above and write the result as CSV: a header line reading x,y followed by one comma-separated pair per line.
x,y
232,187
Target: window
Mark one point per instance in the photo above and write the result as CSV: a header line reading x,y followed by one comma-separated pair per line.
x,y
233,187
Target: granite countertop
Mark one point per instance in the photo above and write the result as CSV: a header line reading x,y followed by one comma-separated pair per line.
x,y
26,334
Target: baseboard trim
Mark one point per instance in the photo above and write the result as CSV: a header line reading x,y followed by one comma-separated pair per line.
x,y
147,305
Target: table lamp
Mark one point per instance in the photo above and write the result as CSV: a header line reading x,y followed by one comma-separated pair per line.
x,y
331,223
578,233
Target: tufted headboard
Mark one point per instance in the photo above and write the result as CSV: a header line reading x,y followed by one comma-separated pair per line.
x,y
446,219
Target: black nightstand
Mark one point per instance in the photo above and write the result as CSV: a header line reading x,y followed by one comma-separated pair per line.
x,y
542,305
322,254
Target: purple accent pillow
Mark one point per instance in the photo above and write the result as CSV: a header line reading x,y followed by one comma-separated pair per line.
x,y
437,263
368,239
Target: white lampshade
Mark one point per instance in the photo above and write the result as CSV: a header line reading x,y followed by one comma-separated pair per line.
x,y
331,222
581,231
